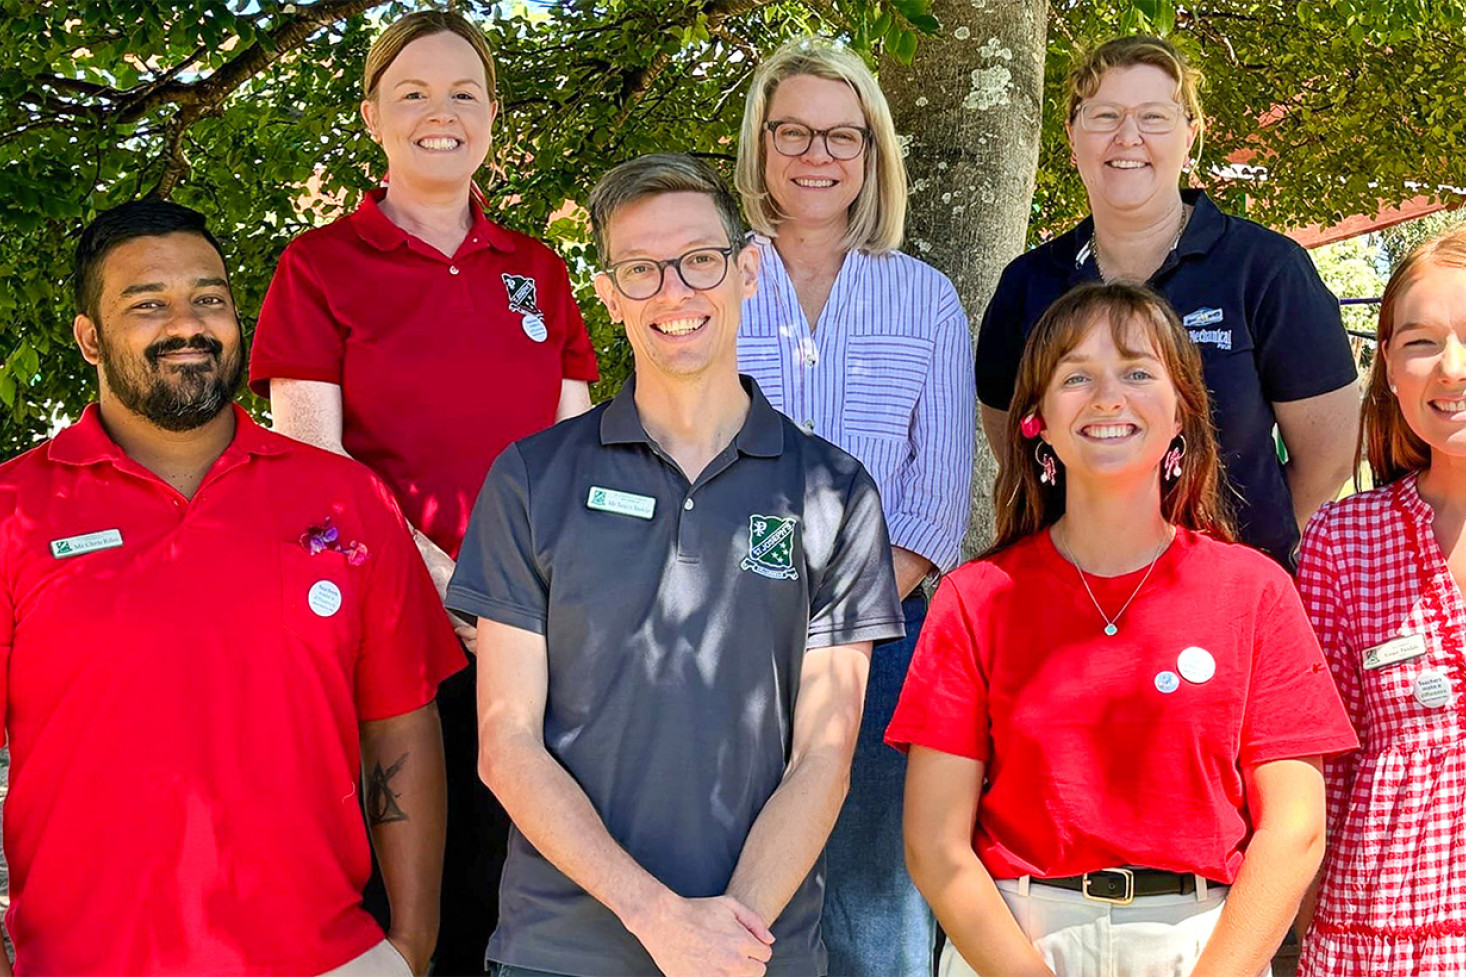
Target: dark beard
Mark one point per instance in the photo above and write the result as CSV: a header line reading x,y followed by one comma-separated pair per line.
x,y
187,397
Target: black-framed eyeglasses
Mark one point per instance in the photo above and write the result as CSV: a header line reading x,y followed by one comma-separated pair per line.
x,y
700,269
795,138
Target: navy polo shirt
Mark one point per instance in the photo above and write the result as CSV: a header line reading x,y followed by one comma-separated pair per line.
x,y
1267,326
676,615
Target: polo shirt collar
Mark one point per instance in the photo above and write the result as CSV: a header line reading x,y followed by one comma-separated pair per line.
x,y
86,442
1203,230
761,436
374,227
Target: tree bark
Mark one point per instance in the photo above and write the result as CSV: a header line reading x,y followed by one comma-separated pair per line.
x,y
971,103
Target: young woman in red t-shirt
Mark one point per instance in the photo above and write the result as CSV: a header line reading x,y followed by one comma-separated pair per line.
x,y
1115,717
1381,575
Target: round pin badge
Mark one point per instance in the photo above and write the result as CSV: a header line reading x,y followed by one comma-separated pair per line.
x,y
1432,690
1167,682
1196,665
534,327
324,598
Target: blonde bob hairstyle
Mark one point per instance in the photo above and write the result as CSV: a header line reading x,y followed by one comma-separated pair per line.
x,y
1385,440
1088,69
877,218
425,23
1133,314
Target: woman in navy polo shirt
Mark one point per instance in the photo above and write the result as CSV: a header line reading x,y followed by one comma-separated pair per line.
x,y
1272,344
869,348
421,338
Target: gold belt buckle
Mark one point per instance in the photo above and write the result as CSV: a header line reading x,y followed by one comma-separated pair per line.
x,y
1124,900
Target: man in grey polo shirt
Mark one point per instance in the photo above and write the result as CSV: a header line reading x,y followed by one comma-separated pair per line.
x,y
677,594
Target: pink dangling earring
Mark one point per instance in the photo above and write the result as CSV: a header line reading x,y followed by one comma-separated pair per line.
x,y
1031,425
1050,473
1171,465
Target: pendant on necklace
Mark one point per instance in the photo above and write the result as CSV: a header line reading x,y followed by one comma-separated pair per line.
x,y
1111,630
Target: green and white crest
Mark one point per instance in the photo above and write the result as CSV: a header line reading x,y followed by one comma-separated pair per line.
x,y
771,542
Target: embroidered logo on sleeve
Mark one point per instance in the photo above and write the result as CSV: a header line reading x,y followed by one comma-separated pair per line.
x,y
524,300
771,542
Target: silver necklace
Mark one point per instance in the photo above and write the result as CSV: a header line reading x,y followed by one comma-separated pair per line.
x,y
1099,264
1111,628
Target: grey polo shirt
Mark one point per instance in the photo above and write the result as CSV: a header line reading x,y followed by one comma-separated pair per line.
x,y
676,616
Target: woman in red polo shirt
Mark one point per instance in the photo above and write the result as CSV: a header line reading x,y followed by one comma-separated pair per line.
x,y
421,338
1115,716
1381,575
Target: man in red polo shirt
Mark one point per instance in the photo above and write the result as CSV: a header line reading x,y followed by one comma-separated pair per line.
x,y
208,632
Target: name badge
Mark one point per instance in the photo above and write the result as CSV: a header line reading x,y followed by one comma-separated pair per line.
x,y
107,539
621,503
1394,650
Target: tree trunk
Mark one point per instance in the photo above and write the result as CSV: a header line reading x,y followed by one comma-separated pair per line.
x,y
972,104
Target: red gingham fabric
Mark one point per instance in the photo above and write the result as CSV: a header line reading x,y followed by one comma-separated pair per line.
x,y
1393,898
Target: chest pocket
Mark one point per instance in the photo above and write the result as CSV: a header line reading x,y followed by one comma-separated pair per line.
x,y
321,596
1397,716
884,377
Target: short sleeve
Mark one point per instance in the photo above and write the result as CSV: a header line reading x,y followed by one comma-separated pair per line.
x,y
1292,709
944,702
497,576
7,638
1000,341
855,598
1302,349
408,646
297,337
577,356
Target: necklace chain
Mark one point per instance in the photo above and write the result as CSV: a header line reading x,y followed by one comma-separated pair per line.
x,y
1099,264
1111,623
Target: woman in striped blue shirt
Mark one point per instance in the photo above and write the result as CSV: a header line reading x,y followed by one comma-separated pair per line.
x,y
869,348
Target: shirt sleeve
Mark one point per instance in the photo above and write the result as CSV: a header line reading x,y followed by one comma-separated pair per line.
x,y
497,576
1292,709
855,598
936,481
944,702
408,645
1302,349
577,356
7,639
297,337
1320,588
1000,341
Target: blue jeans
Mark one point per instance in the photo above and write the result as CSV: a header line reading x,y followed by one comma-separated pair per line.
x,y
875,923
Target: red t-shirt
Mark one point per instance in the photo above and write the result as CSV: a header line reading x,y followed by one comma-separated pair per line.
x,y
1090,764
181,681
442,362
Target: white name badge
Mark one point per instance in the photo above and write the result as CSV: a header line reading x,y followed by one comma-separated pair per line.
x,y
1394,650
621,503
107,539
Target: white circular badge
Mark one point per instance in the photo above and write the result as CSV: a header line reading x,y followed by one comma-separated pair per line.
x,y
1196,665
1167,682
534,327
1432,690
324,598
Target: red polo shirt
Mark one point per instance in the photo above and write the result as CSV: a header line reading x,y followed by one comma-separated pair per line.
x,y
442,362
181,681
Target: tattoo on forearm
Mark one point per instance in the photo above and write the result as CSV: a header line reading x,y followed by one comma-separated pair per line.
x,y
382,806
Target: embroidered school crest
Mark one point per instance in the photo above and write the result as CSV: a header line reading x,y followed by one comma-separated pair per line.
x,y
771,547
522,297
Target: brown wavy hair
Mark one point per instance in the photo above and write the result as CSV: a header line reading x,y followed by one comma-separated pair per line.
x,y
1385,440
1024,504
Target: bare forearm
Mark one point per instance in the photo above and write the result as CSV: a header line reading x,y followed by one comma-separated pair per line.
x,y
406,801
790,832
1276,872
971,910
911,570
553,813
1313,485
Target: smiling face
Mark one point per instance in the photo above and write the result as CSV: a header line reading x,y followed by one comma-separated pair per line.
x,y
1108,411
432,112
1425,359
679,332
166,338
815,188
1128,170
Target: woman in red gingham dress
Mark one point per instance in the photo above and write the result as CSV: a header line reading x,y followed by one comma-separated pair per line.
x,y
1380,574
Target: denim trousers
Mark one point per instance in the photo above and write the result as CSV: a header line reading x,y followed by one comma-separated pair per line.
x,y
875,922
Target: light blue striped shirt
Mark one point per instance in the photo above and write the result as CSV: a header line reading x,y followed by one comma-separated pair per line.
x,y
886,375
